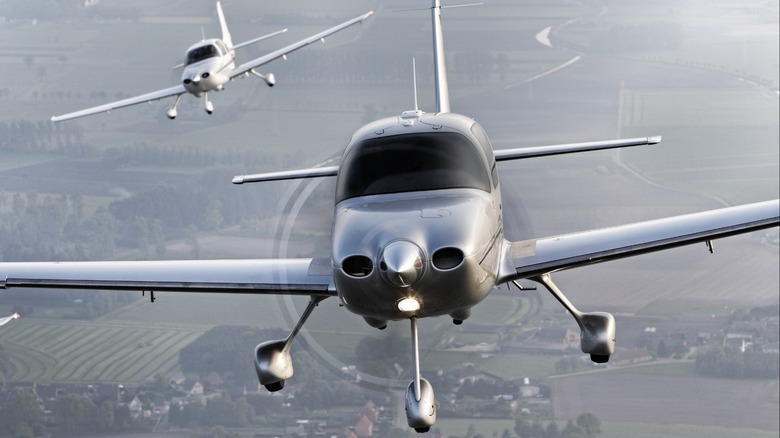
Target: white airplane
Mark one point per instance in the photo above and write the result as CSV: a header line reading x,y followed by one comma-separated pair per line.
x,y
7,319
418,232
209,65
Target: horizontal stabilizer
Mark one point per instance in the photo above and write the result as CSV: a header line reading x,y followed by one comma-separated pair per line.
x,y
570,148
314,172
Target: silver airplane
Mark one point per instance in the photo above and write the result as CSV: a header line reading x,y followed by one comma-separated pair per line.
x,y
209,65
418,232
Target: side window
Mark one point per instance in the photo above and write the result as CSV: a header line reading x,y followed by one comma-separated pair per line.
x,y
487,148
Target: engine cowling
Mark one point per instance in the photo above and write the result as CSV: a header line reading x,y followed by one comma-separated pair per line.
x,y
598,336
273,364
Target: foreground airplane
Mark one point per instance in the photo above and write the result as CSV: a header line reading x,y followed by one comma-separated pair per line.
x,y
418,232
209,65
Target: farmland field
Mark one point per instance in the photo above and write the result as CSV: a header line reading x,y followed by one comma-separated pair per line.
x,y
47,351
638,397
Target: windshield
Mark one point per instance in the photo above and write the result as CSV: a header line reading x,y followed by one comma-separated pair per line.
x,y
412,162
200,53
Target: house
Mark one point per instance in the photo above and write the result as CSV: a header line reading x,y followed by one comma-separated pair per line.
x,y
633,356
136,407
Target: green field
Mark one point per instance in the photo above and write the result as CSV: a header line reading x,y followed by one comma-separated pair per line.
x,y
47,351
493,427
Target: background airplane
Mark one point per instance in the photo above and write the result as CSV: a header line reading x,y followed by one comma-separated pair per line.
x,y
209,65
5,320
412,242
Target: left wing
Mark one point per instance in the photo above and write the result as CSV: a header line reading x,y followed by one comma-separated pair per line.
x,y
176,90
311,277
314,172
534,257
247,66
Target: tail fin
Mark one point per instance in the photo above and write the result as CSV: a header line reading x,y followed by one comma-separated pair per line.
x,y
439,65
223,25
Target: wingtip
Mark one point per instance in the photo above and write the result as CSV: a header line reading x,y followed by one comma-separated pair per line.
x,y
654,139
238,179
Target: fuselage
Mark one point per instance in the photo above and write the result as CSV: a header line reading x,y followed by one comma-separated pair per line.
x,y
207,66
418,218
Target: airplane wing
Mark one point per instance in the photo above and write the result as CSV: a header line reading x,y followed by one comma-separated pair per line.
x,y
148,97
314,172
569,148
246,67
311,277
534,257
7,319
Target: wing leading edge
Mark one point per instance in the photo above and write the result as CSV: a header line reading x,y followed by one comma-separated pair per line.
x,y
534,257
311,277
176,90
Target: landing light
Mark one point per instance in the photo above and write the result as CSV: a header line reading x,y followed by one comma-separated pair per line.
x,y
408,305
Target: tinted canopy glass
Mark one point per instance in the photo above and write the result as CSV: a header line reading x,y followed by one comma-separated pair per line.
x,y
200,53
412,162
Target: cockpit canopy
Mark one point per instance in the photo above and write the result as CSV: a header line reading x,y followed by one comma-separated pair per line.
x,y
209,50
411,162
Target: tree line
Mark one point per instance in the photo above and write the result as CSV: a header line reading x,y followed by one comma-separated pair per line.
x,y
729,362
24,136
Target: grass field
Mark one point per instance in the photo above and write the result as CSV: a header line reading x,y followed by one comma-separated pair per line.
x,y
610,429
46,351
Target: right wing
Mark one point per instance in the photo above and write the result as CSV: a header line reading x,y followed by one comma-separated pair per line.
x,y
311,277
569,148
257,62
534,257
148,97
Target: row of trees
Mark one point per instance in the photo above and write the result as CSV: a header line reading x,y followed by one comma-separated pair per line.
x,y
24,136
21,416
587,426
730,362
53,228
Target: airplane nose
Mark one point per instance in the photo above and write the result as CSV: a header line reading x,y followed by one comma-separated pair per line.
x,y
401,263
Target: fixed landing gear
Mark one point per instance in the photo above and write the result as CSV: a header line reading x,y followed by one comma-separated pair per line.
x,y
597,329
269,78
207,105
420,400
171,111
273,362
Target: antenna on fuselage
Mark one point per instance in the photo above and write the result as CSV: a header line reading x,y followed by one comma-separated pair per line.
x,y
414,81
